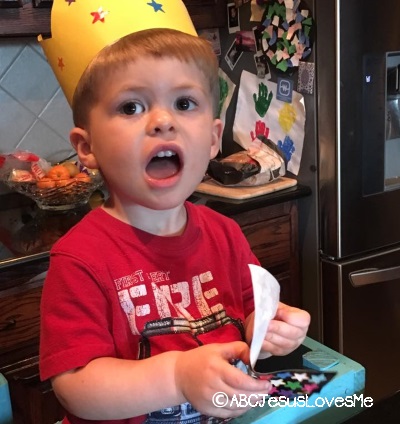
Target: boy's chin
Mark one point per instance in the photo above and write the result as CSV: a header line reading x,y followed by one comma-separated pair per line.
x,y
167,204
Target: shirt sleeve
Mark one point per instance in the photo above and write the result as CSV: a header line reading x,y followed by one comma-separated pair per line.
x,y
75,317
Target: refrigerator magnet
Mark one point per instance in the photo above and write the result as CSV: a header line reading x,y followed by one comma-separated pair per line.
x,y
305,81
286,34
233,18
232,56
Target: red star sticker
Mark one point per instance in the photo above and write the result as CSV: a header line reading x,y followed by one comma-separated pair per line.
x,y
61,63
99,15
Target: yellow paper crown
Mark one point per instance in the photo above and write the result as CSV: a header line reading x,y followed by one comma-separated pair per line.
x,y
81,28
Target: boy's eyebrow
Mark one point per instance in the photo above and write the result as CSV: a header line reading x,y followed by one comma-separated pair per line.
x,y
182,86
191,86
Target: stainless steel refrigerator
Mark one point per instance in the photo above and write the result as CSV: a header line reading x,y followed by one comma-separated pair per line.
x,y
357,58
350,225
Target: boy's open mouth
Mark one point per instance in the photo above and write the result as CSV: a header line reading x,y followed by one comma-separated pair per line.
x,y
165,164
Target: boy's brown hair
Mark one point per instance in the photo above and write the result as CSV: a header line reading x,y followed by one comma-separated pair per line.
x,y
158,43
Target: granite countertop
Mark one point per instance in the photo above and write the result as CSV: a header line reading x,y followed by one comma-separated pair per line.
x,y
27,233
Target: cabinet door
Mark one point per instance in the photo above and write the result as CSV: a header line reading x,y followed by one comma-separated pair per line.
x,y
20,317
20,293
33,401
272,233
5,4
207,13
25,20
42,3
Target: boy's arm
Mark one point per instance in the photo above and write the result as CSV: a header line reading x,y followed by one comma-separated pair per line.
x,y
110,388
286,331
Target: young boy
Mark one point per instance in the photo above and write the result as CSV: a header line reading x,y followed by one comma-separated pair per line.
x,y
148,300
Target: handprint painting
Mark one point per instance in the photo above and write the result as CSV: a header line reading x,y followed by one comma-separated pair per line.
x,y
263,100
260,115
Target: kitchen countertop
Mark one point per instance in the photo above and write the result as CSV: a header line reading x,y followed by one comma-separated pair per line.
x,y
27,233
234,206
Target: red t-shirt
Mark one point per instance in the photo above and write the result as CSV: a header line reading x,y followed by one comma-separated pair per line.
x,y
111,286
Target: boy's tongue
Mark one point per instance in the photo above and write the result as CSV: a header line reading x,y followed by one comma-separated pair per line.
x,y
160,168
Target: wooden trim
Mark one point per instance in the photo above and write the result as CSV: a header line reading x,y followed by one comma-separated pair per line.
x,y
26,21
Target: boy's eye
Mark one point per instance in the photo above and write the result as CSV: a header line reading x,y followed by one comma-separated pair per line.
x,y
185,104
131,108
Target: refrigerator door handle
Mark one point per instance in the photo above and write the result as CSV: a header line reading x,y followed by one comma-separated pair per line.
x,y
374,275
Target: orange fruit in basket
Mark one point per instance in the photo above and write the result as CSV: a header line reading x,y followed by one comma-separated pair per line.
x,y
46,182
83,177
58,172
65,182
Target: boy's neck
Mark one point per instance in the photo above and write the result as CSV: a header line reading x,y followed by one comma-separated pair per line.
x,y
166,223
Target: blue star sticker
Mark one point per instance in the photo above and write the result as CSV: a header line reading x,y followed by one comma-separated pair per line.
x,y
284,374
156,6
318,378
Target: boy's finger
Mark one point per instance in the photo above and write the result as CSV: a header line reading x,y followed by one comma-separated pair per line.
x,y
293,316
235,350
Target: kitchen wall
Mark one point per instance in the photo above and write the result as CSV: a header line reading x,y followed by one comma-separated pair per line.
x,y
34,114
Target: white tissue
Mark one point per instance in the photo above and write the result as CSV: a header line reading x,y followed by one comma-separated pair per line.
x,y
266,299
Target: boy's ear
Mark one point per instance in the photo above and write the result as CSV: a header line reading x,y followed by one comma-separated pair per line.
x,y
217,130
80,140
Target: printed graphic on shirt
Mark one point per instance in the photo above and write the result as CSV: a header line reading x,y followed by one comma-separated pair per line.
x,y
152,296
157,307
183,414
176,326
186,413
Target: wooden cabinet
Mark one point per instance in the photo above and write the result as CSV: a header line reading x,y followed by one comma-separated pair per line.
x,y
8,4
207,13
33,401
23,21
32,17
272,232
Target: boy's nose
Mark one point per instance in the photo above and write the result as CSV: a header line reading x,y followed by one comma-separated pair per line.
x,y
161,121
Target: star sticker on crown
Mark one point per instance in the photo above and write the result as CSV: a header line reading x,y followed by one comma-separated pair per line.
x,y
101,23
99,15
61,63
156,6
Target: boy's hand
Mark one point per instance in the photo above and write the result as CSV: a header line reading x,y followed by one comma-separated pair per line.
x,y
204,372
286,331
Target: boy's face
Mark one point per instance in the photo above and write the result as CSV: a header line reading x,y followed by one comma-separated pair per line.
x,y
152,133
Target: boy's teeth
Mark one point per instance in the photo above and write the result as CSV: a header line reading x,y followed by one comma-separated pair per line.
x,y
167,153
